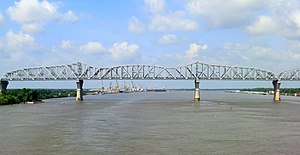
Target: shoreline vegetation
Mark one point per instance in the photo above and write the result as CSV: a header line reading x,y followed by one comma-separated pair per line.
x,y
283,91
17,96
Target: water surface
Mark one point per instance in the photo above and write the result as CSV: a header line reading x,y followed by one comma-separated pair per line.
x,y
153,123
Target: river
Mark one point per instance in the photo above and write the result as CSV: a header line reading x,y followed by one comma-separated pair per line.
x,y
153,123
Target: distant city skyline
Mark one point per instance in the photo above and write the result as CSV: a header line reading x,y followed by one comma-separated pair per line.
x,y
252,33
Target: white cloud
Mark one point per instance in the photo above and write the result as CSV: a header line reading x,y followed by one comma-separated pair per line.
x,y
122,51
26,11
32,28
294,56
287,16
168,39
162,20
87,48
295,18
91,47
175,22
19,41
225,14
195,52
192,54
69,17
293,53
67,44
155,6
264,25
94,52
1,18
35,12
194,49
252,55
19,46
135,26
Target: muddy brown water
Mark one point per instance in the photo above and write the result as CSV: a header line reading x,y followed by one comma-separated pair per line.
x,y
153,123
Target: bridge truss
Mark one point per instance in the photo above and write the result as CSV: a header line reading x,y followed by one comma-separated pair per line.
x,y
80,71
291,75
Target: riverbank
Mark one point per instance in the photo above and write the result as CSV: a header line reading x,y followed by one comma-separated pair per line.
x,y
270,91
17,96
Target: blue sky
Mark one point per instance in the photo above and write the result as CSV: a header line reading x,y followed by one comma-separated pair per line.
x,y
263,34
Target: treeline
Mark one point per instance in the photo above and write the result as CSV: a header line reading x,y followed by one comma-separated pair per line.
x,y
258,89
15,96
282,90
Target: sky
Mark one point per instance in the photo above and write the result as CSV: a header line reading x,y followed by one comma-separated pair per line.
x,y
263,34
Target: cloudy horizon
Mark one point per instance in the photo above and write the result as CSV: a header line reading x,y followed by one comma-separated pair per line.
x,y
250,33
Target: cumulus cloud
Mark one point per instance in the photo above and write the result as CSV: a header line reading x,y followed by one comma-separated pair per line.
x,y
26,11
252,55
1,18
19,46
264,25
294,56
118,52
135,26
294,18
155,6
123,51
174,22
162,20
86,52
69,17
67,44
193,52
35,13
225,14
91,47
294,52
19,41
256,17
32,28
286,14
168,39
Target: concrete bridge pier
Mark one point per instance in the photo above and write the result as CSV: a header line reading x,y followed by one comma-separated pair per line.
x,y
3,86
276,85
79,96
196,92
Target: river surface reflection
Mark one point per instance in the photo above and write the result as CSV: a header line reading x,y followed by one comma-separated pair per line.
x,y
153,123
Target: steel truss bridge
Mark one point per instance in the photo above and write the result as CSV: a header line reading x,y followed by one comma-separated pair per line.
x,y
195,71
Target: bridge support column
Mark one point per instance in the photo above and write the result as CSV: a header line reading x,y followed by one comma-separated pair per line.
x,y
197,93
276,85
3,86
79,96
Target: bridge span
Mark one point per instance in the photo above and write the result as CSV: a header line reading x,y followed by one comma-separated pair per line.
x,y
196,71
